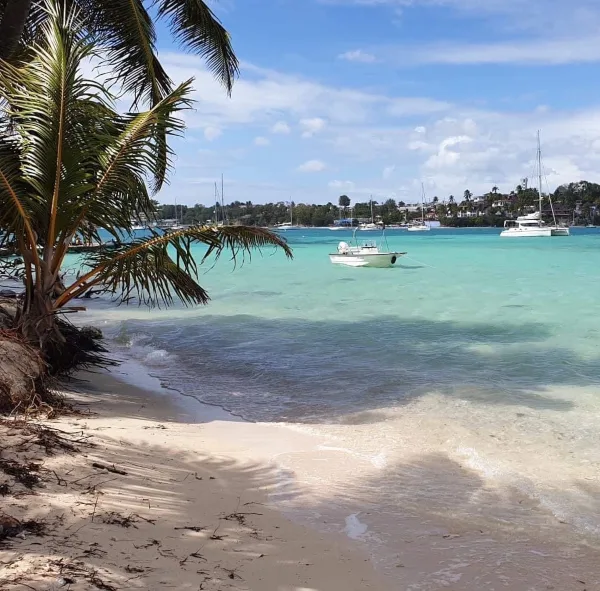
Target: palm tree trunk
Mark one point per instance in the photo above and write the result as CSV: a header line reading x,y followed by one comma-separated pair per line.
x,y
12,24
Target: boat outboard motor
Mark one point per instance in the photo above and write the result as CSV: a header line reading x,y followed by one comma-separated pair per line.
x,y
343,248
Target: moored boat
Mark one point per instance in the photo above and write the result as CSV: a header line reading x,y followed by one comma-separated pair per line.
x,y
532,225
367,254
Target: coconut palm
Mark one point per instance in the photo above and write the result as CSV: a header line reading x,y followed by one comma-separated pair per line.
x,y
70,164
125,31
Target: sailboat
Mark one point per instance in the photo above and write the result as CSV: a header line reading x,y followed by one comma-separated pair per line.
x,y
532,225
372,225
420,226
177,225
289,225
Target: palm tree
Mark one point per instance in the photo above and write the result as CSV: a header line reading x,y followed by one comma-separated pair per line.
x,y
125,32
468,195
344,202
494,189
70,164
451,199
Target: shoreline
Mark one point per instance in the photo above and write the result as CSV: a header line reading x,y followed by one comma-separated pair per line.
x,y
435,547
206,495
191,509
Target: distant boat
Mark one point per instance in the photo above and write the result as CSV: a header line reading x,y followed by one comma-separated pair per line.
x,y
420,226
532,225
366,255
289,225
371,226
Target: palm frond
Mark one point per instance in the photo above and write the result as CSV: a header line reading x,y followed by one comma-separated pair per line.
x,y
124,29
241,240
156,270
197,28
139,149
16,204
56,113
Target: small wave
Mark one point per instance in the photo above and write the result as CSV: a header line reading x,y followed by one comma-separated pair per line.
x,y
355,529
158,357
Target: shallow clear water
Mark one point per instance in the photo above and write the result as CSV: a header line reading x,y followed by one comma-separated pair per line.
x,y
476,354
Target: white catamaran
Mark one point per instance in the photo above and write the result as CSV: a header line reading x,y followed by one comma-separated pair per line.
x,y
532,225
420,226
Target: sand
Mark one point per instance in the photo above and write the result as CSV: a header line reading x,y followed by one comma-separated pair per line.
x,y
158,499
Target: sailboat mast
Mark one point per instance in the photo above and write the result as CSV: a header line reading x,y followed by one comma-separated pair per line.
x,y
291,212
422,203
539,158
216,206
371,200
222,200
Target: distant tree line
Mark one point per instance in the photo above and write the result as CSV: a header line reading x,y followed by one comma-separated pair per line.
x,y
577,201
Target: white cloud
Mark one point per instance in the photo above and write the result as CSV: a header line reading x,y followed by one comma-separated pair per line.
x,y
341,185
311,126
212,133
365,130
281,127
521,32
445,156
358,55
264,97
541,51
388,171
312,166
261,141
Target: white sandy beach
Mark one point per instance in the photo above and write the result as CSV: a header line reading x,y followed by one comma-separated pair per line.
x,y
198,507
192,510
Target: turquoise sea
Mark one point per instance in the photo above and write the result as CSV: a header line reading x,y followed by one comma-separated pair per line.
x,y
474,356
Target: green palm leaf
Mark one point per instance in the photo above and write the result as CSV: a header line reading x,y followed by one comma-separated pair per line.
x,y
16,205
156,270
124,29
56,112
197,28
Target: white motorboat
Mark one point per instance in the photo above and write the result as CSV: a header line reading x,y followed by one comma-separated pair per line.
x,y
420,226
532,225
366,255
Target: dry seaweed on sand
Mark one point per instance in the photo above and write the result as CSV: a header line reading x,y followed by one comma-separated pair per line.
x,y
25,474
11,527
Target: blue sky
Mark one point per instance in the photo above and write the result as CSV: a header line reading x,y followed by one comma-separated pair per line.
x,y
373,97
